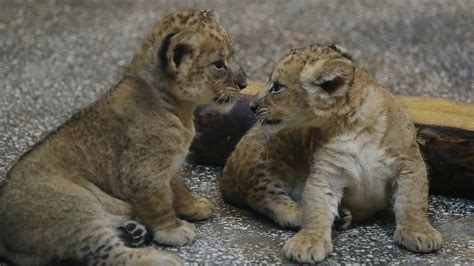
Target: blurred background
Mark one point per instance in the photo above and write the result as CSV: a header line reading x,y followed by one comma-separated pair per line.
x,y
58,56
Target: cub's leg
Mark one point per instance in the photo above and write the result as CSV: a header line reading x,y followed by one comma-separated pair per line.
x,y
189,206
414,231
261,188
154,205
110,250
56,220
271,197
320,204
147,176
132,233
110,203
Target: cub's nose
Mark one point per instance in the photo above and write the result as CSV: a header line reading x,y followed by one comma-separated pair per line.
x,y
241,79
253,106
242,84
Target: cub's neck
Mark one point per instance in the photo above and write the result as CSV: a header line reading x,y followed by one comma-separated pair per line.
x,y
365,111
133,96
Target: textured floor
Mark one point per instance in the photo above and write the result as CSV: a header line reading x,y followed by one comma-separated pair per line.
x,y
238,236
57,56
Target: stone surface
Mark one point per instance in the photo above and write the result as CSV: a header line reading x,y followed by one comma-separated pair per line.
x,y
58,56
239,236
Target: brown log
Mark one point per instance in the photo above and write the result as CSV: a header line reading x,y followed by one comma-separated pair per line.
x,y
448,151
449,155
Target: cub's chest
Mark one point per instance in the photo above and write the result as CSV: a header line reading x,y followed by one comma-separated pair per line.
x,y
361,158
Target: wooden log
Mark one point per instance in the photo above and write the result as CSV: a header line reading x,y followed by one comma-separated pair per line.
x,y
445,134
449,155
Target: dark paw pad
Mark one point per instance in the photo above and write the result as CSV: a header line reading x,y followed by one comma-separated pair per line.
x,y
134,234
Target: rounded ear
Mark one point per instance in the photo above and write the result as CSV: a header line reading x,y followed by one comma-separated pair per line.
x,y
209,13
330,76
179,48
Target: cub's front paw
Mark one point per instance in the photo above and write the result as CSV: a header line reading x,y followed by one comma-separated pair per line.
x,y
308,247
181,235
420,239
198,209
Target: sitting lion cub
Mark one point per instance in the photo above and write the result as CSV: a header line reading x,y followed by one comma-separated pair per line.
x,y
73,195
328,133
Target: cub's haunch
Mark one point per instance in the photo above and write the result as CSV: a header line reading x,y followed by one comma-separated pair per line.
x,y
329,138
74,195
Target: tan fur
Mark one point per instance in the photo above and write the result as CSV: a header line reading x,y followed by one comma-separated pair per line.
x,y
119,158
332,129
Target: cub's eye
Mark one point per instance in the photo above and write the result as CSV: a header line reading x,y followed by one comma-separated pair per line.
x,y
276,87
220,64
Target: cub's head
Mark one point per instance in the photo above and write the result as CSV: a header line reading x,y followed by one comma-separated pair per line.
x,y
190,55
307,88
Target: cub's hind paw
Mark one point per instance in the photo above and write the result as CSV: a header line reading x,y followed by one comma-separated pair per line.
x,y
344,220
134,234
289,216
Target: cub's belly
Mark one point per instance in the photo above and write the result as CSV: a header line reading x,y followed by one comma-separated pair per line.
x,y
365,198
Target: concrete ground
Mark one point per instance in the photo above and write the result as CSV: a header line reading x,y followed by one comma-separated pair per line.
x,y
58,56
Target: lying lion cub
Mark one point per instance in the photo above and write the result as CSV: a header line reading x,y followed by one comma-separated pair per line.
x,y
328,133
73,195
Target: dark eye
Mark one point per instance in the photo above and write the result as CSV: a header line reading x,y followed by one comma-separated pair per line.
x,y
220,64
276,87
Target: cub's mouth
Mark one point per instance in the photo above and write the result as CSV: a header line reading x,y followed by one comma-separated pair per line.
x,y
227,97
224,98
271,122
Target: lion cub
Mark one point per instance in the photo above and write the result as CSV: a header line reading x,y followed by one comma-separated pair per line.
x,y
119,158
329,134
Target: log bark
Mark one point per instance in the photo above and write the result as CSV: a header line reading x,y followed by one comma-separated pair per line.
x,y
448,151
449,155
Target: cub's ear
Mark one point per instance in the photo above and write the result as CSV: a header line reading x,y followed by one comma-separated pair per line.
x,y
331,77
178,49
209,13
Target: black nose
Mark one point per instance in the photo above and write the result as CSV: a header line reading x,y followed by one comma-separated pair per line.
x,y
241,79
242,84
253,107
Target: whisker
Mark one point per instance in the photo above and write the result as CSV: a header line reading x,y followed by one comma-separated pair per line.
x,y
220,98
263,114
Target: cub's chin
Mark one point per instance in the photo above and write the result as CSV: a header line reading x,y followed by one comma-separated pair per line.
x,y
272,126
